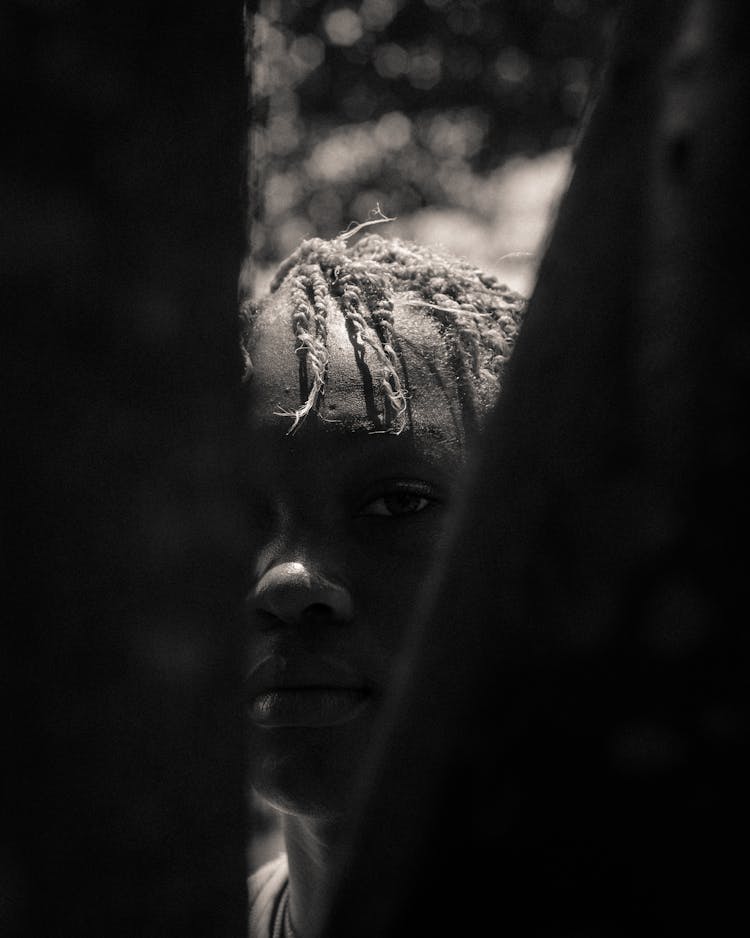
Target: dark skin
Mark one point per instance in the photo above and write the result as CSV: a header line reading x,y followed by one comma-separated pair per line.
x,y
347,521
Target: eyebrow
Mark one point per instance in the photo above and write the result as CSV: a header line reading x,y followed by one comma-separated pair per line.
x,y
269,423
431,430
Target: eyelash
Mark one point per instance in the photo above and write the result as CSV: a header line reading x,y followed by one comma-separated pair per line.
x,y
409,490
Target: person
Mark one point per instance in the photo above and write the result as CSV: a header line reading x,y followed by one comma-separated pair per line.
x,y
371,365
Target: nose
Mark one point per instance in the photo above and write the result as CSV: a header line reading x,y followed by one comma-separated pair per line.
x,y
294,593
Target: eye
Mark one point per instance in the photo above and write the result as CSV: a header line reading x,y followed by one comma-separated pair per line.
x,y
399,502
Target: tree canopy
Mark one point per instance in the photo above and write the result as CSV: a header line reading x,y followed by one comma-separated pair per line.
x,y
403,104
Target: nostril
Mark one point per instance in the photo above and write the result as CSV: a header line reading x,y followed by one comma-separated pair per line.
x,y
292,592
318,611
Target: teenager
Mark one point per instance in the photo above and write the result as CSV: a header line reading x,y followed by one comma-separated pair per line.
x,y
370,365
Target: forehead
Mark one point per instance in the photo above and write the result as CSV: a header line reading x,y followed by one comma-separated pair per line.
x,y
427,366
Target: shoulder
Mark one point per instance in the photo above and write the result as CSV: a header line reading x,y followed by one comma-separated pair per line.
x,y
265,888
268,879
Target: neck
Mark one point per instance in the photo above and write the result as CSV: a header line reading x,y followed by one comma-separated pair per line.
x,y
310,847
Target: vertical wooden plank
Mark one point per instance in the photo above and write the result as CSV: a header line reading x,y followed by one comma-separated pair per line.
x,y
123,533
563,757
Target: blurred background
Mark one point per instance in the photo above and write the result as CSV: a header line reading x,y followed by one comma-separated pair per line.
x,y
455,117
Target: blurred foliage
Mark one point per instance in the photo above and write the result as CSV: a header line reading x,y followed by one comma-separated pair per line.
x,y
406,103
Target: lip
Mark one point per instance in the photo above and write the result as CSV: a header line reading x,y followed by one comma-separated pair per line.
x,y
314,691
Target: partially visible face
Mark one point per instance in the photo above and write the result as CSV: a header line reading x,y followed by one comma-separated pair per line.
x,y
347,522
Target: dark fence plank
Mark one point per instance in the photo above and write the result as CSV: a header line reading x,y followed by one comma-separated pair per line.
x,y
123,209
564,756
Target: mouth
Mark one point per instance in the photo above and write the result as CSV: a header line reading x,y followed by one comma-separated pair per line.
x,y
307,706
309,692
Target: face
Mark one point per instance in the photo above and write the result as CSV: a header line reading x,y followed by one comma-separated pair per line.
x,y
347,523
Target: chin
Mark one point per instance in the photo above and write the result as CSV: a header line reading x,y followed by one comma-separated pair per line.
x,y
309,805
316,799
307,780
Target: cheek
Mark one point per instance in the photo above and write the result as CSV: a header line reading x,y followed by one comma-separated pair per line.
x,y
391,575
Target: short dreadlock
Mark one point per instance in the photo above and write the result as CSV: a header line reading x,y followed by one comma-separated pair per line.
x,y
369,282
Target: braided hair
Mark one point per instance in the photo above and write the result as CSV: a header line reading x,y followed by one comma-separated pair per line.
x,y
373,281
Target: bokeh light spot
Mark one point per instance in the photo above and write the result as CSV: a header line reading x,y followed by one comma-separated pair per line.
x,y
308,51
393,130
512,67
391,61
377,14
343,27
424,69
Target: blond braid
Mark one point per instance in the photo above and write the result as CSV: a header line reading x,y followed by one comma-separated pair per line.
x,y
367,281
309,328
